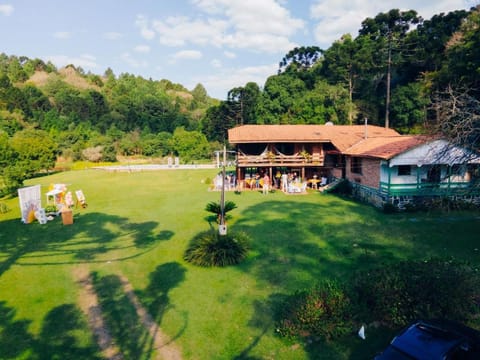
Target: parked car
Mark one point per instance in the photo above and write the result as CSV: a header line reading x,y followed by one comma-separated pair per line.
x,y
432,340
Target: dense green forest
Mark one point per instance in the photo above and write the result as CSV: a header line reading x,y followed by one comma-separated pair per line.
x,y
400,71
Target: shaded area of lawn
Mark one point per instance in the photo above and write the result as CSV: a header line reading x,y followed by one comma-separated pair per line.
x,y
138,225
59,337
313,242
124,323
94,237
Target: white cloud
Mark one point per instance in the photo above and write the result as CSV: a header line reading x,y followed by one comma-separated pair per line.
x,y
112,35
187,55
6,9
180,30
229,54
145,49
142,23
339,17
62,35
259,25
85,61
219,84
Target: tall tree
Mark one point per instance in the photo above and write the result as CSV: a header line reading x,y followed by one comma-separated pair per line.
x,y
300,58
389,29
345,63
244,103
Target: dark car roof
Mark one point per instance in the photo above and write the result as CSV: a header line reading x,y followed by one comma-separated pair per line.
x,y
422,342
433,340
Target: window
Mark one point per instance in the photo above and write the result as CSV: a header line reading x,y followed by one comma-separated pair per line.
x,y
458,170
404,170
356,165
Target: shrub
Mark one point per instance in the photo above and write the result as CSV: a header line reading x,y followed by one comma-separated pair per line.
x,y
211,249
400,293
322,312
4,208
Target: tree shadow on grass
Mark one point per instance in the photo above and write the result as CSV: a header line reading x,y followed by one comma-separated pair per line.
x,y
156,296
125,326
61,337
91,238
15,339
284,256
121,317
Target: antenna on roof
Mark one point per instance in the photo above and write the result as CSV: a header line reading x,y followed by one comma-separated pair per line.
x,y
366,128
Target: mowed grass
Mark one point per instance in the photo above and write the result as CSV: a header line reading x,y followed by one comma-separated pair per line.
x,y
138,225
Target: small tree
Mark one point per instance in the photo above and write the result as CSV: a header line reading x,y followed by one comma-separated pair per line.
x,y
211,249
93,154
25,154
216,208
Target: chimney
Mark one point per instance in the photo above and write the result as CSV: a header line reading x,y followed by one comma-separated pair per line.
x,y
366,128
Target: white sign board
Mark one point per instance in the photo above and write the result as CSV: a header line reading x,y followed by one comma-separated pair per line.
x,y
30,200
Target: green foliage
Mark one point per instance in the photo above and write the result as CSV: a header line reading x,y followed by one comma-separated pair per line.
x,y
211,249
215,207
190,145
322,312
25,154
50,209
408,107
399,293
4,208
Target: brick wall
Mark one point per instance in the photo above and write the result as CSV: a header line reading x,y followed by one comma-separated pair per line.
x,y
370,175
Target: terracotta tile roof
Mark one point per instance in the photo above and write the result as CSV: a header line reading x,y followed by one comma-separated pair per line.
x,y
341,136
385,147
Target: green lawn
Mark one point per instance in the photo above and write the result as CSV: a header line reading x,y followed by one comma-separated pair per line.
x,y
138,225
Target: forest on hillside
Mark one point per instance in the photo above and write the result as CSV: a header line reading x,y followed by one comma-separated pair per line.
x,y
400,71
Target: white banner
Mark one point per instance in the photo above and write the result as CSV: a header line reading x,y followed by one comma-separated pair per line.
x,y
30,201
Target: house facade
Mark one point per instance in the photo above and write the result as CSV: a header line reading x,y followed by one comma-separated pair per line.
x,y
382,165
403,169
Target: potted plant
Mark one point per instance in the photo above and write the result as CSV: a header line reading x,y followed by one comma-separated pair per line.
x,y
306,155
51,210
270,156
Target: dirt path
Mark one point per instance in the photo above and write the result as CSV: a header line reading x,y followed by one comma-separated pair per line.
x,y
89,304
162,343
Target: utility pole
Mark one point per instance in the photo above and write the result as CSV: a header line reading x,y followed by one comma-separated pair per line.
x,y
222,228
389,76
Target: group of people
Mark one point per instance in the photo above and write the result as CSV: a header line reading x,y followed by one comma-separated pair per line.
x,y
230,181
280,181
285,181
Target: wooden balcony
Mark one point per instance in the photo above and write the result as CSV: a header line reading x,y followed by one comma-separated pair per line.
x,y
279,160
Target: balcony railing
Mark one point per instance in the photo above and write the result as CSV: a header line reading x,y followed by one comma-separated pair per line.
x,y
279,160
428,189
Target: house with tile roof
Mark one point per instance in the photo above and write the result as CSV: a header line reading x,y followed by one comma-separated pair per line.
x,y
382,165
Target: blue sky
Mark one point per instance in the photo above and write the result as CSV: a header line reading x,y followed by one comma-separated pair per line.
x,y
218,43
